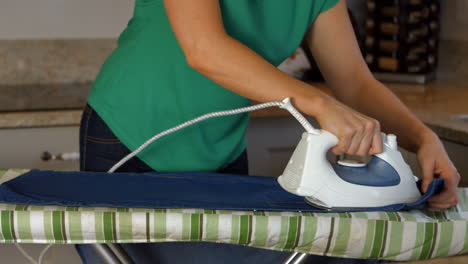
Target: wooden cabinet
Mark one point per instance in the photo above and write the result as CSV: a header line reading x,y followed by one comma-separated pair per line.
x,y
22,148
270,144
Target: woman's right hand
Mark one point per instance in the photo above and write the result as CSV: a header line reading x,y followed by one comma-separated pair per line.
x,y
358,134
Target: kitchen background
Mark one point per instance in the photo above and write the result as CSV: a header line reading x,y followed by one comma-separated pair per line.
x,y
51,51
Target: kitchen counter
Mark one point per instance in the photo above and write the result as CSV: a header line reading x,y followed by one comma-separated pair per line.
x,y
437,104
32,119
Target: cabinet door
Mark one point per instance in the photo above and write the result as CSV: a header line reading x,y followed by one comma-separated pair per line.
x,y
271,142
22,148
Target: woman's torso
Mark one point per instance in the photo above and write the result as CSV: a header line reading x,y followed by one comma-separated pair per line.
x,y
146,86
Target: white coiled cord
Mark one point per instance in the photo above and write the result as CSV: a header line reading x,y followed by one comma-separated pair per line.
x,y
285,104
31,259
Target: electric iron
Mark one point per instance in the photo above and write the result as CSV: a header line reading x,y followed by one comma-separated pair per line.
x,y
385,180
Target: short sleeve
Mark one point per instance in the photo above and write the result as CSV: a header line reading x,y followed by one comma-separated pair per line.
x,y
327,4
320,6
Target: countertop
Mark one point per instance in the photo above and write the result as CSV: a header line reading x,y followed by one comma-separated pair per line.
x,y
437,104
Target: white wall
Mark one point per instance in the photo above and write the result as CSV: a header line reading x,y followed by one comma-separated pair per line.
x,y
454,19
32,19
45,19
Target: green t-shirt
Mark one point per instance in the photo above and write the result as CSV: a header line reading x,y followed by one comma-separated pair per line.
x,y
146,86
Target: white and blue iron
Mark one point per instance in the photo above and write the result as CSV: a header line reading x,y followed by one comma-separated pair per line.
x,y
385,180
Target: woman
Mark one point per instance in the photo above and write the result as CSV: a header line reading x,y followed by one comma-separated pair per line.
x,y
179,59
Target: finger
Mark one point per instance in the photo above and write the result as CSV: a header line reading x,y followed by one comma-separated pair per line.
x,y
344,142
336,150
453,200
450,176
444,198
356,139
376,147
449,195
366,142
440,206
428,174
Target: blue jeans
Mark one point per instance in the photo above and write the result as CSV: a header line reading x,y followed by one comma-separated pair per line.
x,y
100,149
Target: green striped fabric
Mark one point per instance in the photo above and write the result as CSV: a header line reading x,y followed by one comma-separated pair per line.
x,y
411,235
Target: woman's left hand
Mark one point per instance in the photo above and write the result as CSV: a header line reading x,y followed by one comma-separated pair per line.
x,y
435,162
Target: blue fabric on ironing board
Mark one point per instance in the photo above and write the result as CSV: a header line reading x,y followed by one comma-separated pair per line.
x,y
166,190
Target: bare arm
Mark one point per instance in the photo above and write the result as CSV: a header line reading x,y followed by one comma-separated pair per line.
x,y
347,74
334,46
199,29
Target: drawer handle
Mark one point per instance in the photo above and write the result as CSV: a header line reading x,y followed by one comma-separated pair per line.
x,y
46,156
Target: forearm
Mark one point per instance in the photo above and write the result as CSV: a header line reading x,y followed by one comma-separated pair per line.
x,y
198,27
374,99
240,70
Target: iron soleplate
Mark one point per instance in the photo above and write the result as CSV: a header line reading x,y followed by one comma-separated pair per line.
x,y
309,201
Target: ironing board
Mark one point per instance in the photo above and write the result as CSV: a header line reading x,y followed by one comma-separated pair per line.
x,y
408,235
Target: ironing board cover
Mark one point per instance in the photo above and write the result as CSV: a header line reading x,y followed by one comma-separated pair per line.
x,y
404,235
